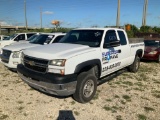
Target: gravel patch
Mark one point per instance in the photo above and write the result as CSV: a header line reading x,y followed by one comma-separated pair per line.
x,y
130,96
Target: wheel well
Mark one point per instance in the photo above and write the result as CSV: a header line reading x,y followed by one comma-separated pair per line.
x,y
139,53
95,69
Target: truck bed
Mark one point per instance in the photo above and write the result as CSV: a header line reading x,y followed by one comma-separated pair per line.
x,y
135,40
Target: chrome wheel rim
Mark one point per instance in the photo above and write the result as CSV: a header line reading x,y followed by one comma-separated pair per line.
x,y
88,88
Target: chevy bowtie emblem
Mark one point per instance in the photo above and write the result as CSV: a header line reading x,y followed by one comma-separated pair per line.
x,y
31,63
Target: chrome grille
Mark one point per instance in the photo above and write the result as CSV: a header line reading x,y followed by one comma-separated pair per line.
x,y
5,56
35,64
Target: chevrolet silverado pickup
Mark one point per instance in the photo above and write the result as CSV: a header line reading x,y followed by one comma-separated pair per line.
x,y
79,62
11,54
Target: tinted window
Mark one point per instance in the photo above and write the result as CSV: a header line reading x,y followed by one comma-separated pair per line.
x,y
21,37
58,38
91,38
11,37
152,43
110,35
41,39
122,38
30,34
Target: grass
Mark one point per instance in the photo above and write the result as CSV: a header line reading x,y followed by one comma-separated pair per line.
x,y
5,85
128,83
73,102
156,95
148,109
123,102
116,96
119,117
19,102
112,109
127,98
96,96
20,108
138,89
2,117
76,113
142,117
127,75
108,100
143,76
107,108
139,84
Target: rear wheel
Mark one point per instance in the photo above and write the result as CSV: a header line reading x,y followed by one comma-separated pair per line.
x,y
86,87
135,65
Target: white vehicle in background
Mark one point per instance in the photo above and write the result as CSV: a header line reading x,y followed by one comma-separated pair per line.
x,y
3,37
11,54
15,38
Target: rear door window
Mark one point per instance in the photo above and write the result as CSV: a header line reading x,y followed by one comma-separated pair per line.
x,y
30,34
122,37
58,38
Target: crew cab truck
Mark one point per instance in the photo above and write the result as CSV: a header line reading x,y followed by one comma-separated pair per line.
x,y
78,63
15,38
11,54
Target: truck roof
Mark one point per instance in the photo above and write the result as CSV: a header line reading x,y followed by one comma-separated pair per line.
x,y
98,29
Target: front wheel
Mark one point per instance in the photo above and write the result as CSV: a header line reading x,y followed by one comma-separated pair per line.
x,y
86,87
135,65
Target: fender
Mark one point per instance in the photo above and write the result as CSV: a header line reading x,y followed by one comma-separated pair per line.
x,y
93,62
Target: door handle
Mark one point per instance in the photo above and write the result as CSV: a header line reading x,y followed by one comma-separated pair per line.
x,y
119,51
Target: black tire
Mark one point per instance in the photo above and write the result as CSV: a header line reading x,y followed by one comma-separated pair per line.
x,y
135,65
85,80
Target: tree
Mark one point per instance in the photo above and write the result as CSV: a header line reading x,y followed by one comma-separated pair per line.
x,y
146,29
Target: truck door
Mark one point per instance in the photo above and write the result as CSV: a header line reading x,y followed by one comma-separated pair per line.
x,y
112,57
20,37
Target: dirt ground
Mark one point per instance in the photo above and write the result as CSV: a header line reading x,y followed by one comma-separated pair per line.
x,y
130,96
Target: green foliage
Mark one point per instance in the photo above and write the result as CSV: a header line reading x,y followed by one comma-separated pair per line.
x,y
156,29
130,34
146,29
142,117
134,29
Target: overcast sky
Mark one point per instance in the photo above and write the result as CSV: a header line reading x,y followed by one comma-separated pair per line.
x,y
78,13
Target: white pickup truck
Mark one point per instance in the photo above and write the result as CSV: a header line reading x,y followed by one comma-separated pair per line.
x,y
15,38
79,62
11,54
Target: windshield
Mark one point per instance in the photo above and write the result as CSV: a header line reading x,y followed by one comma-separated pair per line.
x,y
91,38
152,43
11,37
32,37
42,39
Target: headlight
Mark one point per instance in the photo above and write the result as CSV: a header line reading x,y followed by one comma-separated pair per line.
x,y
57,62
153,52
22,57
16,54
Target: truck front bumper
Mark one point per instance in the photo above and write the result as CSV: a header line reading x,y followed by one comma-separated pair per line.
x,y
10,62
49,82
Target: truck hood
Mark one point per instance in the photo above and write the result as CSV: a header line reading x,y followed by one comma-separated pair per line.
x,y
20,46
23,41
57,51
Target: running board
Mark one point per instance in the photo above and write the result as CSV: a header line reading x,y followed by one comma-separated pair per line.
x,y
110,77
